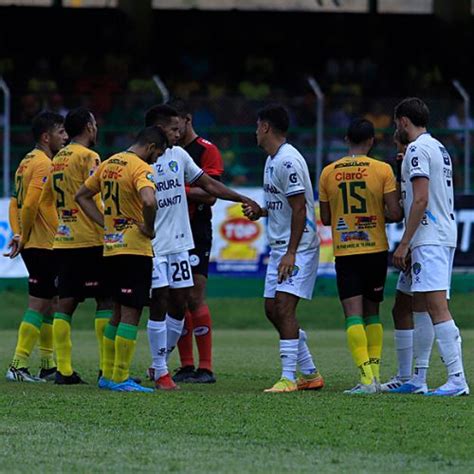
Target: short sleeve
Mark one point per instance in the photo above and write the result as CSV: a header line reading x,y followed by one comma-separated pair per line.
x,y
211,161
93,182
389,181
40,174
323,195
418,162
291,177
143,177
92,163
192,172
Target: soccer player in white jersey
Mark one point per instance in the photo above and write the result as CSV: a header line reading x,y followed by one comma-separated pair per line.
x,y
172,276
431,236
294,243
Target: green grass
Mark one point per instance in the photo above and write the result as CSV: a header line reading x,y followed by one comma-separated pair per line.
x,y
232,426
323,312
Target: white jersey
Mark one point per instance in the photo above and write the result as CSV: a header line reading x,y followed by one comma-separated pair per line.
x,y
171,172
427,157
286,174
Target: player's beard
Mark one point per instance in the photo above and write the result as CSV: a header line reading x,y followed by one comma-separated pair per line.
x,y
403,136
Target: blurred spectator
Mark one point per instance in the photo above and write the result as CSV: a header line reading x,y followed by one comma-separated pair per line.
x,y
457,121
42,83
235,171
380,119
30,106
55,103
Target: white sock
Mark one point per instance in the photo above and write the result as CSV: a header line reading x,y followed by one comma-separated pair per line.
x,y
289,356
305,360
404,348
448,338
157,339
174,328
423,337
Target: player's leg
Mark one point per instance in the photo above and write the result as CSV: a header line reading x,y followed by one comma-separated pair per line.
x,y
402,313
32,321
45,344
440,260
281,300
373,296
134,288
351,286
103,314
108,346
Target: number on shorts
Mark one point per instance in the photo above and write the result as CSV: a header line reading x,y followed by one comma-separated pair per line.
x,y
353,185
185,273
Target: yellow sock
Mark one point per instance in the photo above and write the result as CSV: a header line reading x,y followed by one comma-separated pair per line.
x,y
357,340
62,342
374,331
125,342
46,343
108,353
101,319
28,334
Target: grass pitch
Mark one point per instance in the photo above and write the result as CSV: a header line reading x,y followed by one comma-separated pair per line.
x,y
232,426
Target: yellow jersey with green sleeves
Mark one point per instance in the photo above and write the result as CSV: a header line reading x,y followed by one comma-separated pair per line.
x,y
70,169
32,173
119,181
354,187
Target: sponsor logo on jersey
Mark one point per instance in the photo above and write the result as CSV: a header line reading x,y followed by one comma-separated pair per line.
x,y
361,173
269,188
348,164
68,213
295,271
170,201
117,161
293,178
149,177
416,268
122,223
173,166
273,205
288,164
341,224
414,162
194,260
64,231
446,157
168,184
412,149
356,235
366,222
113,238
45,178
115,173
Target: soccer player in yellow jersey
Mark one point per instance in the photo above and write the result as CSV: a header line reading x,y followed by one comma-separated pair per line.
x,y
34,225
125,182
356,194
78,242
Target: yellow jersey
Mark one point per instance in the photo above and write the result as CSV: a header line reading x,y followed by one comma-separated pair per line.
x,y
354,187
30,178
70,169
119,180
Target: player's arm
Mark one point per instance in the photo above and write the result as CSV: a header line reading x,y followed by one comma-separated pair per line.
x,y
417,211
325,212
14,218
85,198
297,203
212,165
147,195
219,190
393,210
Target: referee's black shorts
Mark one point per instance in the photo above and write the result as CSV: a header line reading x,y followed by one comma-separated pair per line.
x,y
129,279
362,275
81,273
200,254
42,272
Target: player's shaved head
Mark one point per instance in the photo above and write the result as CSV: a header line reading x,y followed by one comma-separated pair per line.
x,y
160,115
360,130
414,109
45,122
276,116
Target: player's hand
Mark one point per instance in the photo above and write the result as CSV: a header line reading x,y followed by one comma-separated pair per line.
x,y
286,267
251,209
14,246
150,233
408,263
401,257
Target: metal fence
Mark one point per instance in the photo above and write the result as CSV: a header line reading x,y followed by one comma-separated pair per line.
x,y
230,122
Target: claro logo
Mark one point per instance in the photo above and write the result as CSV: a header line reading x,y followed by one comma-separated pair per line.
x,y
361,173
240,230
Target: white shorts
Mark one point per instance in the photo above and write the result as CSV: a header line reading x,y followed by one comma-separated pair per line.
x,y
404,283
301,283
172,270
431,268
